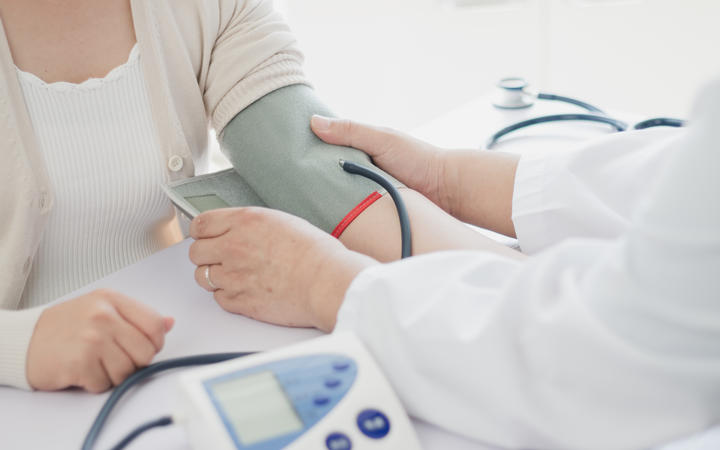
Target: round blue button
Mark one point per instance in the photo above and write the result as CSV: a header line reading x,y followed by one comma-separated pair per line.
x,y
373,423
332,383
338,441
341,366
321,400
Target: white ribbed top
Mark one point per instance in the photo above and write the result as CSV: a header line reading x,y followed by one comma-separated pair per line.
x,y
106,169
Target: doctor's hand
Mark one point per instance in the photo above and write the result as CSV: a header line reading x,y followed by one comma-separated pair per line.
x,y
273,267
473,186
413,162
94,342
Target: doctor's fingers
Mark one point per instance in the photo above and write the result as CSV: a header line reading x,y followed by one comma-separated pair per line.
x,y
374,141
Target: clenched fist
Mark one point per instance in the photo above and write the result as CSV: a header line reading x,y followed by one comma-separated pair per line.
x,y
93,342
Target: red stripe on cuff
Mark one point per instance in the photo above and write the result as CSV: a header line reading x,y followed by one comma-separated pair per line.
x,y
352,215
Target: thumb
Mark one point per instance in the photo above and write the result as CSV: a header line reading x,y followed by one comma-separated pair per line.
x,y
347,133
169,322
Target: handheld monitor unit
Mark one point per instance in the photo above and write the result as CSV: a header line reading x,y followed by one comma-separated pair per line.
x,y
327,393
224,189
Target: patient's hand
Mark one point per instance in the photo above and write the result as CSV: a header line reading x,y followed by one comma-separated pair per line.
x,y
274,267
94,342
415,163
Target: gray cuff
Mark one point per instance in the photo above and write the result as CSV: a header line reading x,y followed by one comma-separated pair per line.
x,y
273,149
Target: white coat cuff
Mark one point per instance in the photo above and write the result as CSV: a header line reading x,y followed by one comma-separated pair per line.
x,y
530,201
16,330
347,318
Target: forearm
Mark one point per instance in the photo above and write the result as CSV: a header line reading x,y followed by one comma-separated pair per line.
x,y
376,232
477,187
272,148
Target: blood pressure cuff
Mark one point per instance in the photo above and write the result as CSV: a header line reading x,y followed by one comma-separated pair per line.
x,y
282,164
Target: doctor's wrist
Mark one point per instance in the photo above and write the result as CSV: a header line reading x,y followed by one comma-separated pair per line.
x,y
332,281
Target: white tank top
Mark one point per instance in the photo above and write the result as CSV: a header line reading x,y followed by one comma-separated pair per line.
x,y
106,168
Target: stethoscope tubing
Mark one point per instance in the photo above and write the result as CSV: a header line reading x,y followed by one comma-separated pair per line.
x,y
572,101
617,124
659,122
518,86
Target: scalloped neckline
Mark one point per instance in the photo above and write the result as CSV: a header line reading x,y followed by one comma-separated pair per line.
x,y
90,82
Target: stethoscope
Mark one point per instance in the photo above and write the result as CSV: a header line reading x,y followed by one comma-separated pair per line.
x,y
514,93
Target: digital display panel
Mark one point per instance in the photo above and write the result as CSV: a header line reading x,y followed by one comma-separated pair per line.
x,y
257,408
207,202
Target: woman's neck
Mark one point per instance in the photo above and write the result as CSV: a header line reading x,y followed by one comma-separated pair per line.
x,y
68,40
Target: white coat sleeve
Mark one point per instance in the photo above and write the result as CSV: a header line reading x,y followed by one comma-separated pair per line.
x,y
591,344
591,191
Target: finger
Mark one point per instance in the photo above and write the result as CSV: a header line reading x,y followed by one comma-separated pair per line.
x,y
169,323
202,273
95,378
220,278
134,343
118,365
144,318
211,223
207,251
231,302
348,133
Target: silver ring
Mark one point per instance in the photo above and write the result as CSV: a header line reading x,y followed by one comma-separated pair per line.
x,y
207,278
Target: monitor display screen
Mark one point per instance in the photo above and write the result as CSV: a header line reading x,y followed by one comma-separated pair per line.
x,y
257,407
207,202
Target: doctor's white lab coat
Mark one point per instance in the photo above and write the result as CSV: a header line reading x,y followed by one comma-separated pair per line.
x,y
607,337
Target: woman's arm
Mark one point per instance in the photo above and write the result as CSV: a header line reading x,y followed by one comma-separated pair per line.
x,y
473,186
376,232
271,146
254,96
541,200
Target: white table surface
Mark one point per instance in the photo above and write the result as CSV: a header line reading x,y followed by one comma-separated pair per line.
x,y
39,420
58,420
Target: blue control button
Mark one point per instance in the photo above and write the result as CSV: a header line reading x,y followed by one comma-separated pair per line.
x,y
373,423
332,383
338,441
341,366
321,400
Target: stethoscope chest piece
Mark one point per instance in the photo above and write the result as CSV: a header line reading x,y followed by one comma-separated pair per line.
x,y
513,93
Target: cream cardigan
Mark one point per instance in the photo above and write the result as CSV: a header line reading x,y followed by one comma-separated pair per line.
x,y
204,61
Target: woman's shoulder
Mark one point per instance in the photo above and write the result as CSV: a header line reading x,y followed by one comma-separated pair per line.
x,y
200,18
200,11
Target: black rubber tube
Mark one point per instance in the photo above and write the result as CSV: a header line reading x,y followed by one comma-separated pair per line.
x,y
132,380
405,233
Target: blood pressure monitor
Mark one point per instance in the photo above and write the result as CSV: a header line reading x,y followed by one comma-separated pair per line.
x,y
327,393
224,189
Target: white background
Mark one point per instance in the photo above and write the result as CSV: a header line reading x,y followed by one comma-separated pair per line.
x,y
402,63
